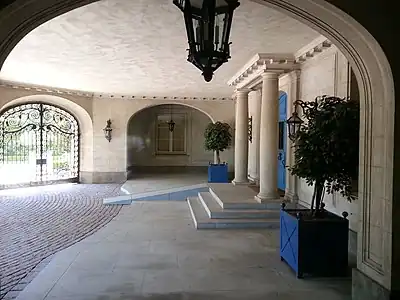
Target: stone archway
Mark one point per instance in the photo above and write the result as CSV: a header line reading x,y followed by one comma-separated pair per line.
x,y
377,97
39,145
84,121
195,107
152,146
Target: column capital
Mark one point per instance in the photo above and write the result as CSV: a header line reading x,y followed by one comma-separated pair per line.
x,y
242,91
295,75
258,92
269,75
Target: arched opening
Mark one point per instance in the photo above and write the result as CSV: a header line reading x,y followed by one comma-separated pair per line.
x,y
85,161
154,146
39,144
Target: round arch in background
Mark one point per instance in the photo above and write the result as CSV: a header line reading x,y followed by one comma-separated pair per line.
x,y
39,145
168,103
81,115
144,140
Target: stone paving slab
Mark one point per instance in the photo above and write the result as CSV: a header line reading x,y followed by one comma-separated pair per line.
x,y
37,222
151,251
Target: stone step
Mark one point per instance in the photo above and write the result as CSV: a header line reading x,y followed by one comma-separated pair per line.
x,y
202,220
229,196
215,211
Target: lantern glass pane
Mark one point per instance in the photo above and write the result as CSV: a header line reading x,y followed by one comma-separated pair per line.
x,y
197,32
180,4
197,3
220,3
219,30
291,129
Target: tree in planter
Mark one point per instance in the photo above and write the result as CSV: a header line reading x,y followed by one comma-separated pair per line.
x,y
326,147
218,138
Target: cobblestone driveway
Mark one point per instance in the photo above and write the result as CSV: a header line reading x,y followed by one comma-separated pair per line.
x,y
38,222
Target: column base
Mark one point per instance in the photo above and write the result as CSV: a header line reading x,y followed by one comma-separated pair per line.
x,y
292,197
253,180
241,182
365,288
267,197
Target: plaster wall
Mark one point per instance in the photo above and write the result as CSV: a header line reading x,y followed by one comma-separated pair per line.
x,y
110,158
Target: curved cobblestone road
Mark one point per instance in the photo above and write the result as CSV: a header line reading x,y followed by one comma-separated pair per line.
x,y
40,221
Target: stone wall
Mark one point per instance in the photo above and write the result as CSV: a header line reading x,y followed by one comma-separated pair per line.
x,y
102,161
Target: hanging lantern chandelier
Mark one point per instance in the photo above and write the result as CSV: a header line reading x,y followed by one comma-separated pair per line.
x,y
208,25
171,123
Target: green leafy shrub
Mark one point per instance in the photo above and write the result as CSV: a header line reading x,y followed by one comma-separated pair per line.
x,y
218,138
326,148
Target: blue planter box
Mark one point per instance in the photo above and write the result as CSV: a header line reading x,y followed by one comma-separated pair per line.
x,y
315,247
218,173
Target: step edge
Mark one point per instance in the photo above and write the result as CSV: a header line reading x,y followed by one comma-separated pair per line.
x,y
188,200
204,204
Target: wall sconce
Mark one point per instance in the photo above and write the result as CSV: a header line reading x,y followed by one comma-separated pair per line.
x,y
250,129
171,125
107,131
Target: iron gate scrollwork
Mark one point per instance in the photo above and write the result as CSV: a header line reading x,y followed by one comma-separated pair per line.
x,y
39,144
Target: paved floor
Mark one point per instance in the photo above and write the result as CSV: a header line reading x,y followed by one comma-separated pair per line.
x,y
156,182
151,251
38,222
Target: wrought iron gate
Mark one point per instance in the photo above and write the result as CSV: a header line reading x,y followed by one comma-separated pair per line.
x,y
39,144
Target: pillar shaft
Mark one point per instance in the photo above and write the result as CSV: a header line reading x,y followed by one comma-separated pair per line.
x,y
241,137
269,138
254,150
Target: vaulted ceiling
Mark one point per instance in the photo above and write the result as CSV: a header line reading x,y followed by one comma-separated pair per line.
x,y
139,48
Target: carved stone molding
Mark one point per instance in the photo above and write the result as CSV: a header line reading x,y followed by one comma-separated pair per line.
x,y
43,89
59,91
314,48
149,97
249,75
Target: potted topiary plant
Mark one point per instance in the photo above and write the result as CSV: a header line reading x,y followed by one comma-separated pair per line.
x,y
218,138
315,241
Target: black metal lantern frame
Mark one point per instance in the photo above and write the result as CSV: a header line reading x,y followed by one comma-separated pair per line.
x,y
107,131
171,125
208,25
295,122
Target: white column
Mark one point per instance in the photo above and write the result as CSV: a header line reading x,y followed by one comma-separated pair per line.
x,y
241,137
269,138
254,147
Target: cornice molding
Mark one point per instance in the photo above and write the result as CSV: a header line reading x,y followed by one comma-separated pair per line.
x,y
312,49
61,91
162,98
249,75
45,89
260,63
